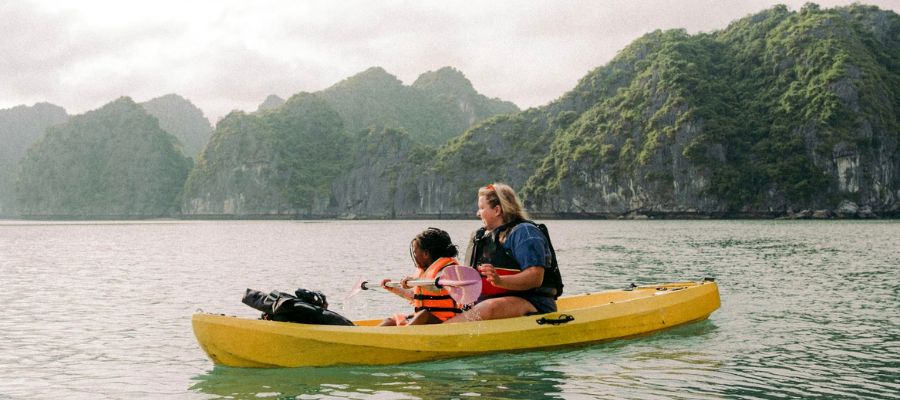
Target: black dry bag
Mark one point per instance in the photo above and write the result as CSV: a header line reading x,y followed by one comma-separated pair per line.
x,y
304,306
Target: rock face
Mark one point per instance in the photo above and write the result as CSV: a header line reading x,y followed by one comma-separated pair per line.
x,y
391,159
20,128
182,119
112,162
276,162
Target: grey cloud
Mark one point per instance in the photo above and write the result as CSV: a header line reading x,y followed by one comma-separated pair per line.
x,y
237,77
526,52
33,47
41,49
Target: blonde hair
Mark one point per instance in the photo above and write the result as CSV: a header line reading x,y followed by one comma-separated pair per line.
x,y
503,195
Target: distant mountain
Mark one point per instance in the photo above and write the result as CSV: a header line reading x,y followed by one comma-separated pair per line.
x,y
276,162
182,119
439,106
287,158
112,162
451,87
21,127
272,102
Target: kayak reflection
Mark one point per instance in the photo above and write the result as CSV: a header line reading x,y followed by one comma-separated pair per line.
x,y
512,376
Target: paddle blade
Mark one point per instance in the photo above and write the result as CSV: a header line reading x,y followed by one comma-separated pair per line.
x,y
359,286
463,283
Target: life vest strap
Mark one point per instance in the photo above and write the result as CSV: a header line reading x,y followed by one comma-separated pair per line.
x,y
419,296
438,302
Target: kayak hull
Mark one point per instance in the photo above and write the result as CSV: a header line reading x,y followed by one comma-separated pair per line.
x,y
581,319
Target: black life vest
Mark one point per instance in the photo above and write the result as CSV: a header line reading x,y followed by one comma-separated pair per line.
x,y
487,249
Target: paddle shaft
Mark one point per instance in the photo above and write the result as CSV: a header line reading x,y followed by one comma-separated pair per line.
x,y
462,283
438,283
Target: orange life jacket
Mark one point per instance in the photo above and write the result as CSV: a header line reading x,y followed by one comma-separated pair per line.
x,y
437,301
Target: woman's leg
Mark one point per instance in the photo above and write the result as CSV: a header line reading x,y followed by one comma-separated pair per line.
x,y
424,317
496,308
396,320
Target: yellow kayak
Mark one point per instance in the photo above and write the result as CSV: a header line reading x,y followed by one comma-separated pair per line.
x,y
586,318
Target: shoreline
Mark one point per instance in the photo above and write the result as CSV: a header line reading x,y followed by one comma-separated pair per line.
x,y
632,215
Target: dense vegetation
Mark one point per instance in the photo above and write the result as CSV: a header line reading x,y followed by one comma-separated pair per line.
x,y
755,116
114,161
804,88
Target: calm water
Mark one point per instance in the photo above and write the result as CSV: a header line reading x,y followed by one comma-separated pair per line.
x,y
102,310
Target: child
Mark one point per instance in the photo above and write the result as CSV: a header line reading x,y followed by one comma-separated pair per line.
x,y
431,251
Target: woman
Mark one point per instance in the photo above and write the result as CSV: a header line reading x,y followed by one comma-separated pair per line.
x,y
509,242
431,251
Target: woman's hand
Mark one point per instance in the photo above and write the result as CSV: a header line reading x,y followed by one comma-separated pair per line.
x,y
403,282
385,286
490,273
530,278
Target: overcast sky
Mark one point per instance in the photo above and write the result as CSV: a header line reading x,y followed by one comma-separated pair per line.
x,y
226,55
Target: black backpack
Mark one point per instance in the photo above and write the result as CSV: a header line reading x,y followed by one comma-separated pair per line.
x,y
304,306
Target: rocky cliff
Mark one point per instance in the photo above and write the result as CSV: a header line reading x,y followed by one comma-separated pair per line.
x,y
780,112
392,161
274,162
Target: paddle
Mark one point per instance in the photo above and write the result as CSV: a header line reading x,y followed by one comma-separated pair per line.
x,y
463,283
